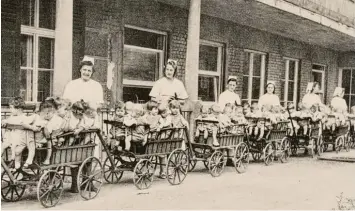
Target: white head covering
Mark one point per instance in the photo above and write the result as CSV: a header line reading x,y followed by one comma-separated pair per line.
x,y
338,92
271,82
309,87
89,59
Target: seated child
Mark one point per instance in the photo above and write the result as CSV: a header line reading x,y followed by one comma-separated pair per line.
x,y
293,124
165,118
153,115
137,124
331,120
16,139
305,116
177,120
89,121
238,115
215,114
352,117
259,129
73,120
224,119
117,132
201,127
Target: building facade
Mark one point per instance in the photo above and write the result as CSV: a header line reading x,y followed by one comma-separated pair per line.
x,y
290,42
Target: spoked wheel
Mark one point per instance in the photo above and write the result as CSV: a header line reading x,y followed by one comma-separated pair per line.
x,y
320,146
192,162
285,150
143,174
177,167
268,152
205,163
216,163
155,161
50,188
90,178
111,173
347,142
241,158
256,156
338,143
9,191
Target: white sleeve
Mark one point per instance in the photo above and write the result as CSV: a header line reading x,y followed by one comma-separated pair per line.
x,y
261,101
155,92
221,101
99,95
67,93
181,91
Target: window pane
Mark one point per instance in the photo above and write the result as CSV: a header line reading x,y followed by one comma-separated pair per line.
x,y
47,10
317,77
352,100
283,90
27,12
45,82
318,67
136,94
46,53
245,87
257,64
347,99
207,87
26,81
246,63
256,89
290,91
346,78
26,51
208,58
291,70
140,65
143,39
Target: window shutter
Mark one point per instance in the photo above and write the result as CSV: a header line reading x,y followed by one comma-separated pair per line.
x,y
10,48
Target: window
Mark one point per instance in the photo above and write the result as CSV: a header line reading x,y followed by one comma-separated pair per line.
x,y
289,90
318,74
210,68
143,60
253,76
37,49
347,81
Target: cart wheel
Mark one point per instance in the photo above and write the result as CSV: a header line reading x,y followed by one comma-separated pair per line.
x,y
177,167
241,158
50,188
256,156
205,163
286,149
192,162
111,173
338,144
90,178
268,152
9,191
320,146
143,174
216,163
294,150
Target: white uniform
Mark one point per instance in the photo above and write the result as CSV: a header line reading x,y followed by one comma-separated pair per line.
x,y
228,97
268,99
165,88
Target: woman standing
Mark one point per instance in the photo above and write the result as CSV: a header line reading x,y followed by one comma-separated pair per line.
x,y
269,98
338,102
88,90
229,95
311,98
169,87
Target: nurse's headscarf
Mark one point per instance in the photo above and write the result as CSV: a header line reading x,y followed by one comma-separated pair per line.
x,y
338,92
173,63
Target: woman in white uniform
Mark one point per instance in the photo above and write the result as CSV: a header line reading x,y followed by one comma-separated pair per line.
x,y
169,87
229,96
311,98
88,90
269,98
338,102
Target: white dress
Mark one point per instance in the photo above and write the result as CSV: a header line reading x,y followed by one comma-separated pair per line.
x,y
228,97
268,99
311,99
90,91
165,88
339,103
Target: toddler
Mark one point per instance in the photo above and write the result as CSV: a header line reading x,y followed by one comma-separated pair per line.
x,y
89,121
224,119
238,116
137,123
293,124
177,120
304,115
202,126
117,132
215,116
72,121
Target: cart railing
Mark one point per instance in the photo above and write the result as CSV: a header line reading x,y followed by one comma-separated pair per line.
x,y
278,131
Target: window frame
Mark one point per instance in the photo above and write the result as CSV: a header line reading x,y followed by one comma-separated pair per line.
x,y
340,79
162,56
321,91
286,80
216,74
36,32
251,76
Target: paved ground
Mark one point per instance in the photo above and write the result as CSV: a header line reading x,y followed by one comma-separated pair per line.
x,y
303,183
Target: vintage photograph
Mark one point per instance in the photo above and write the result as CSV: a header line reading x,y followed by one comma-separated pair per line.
x,y
178,104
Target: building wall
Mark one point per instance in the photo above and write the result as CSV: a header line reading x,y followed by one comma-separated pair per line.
x,y
236,38
347,59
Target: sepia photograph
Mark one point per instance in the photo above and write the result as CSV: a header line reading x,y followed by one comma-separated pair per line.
x,y
178,104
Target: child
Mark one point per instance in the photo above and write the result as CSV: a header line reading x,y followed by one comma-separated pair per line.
x,y
165,118
117,132
216,112
224,119
202,126
153,116
90,120
293,124
304,115
13,137
246,110
352,118
177,120
137,123
238,116
72,121
129,107
53,126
